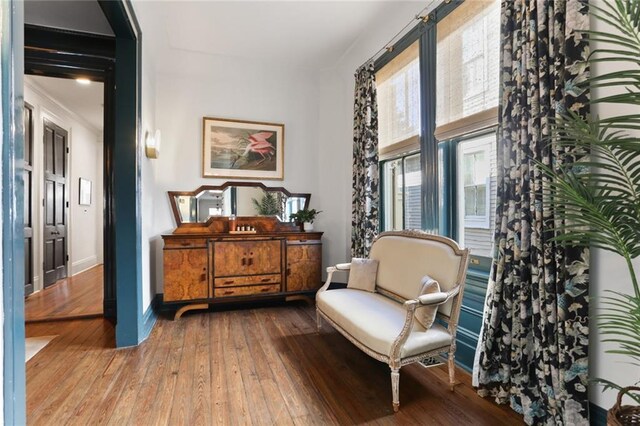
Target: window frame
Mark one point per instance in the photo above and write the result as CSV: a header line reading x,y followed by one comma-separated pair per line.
x,y
476,221
450,225
425,32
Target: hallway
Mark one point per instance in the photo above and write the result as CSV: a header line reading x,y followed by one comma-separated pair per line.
x,y
80,296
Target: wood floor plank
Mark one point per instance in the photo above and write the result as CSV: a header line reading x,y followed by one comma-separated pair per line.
x,y
79,296
134,395
259,366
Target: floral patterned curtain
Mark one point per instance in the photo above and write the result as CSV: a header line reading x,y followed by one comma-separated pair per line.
x,y
364,210
533,348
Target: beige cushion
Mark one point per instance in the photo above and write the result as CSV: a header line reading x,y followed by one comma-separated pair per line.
x,y
363,274
426,315
376,321
404,261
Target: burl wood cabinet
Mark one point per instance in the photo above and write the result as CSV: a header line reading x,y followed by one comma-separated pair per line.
x,y
205,263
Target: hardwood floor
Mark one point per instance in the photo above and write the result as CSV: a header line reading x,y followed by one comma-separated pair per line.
x,y
80,296
258,366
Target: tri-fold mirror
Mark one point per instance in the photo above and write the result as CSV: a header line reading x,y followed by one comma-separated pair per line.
x,y
235,199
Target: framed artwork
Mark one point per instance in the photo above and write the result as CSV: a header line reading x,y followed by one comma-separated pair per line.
x,y
242,149
85,192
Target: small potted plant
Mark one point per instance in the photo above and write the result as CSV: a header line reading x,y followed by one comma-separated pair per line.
x,y
305,217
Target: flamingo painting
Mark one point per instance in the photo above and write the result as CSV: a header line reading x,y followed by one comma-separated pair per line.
x,y
246,149
258,144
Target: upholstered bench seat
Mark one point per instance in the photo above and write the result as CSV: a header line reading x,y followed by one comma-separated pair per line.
x,y
376,321
380,317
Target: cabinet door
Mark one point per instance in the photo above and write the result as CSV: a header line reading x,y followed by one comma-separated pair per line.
x,y
233,258
304,265
185,274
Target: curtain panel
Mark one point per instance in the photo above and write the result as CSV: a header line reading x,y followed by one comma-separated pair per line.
x,y
532,351
365,196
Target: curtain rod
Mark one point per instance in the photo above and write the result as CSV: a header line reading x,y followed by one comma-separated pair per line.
x,y
388,47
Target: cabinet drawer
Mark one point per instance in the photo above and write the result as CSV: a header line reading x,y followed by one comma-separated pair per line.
x,y
185,243
253,279
246,290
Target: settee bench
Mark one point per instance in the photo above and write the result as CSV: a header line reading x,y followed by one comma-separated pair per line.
x,y
382,323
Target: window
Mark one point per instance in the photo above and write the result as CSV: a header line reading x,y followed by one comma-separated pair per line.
x,y
467,62
475,185
398,90
420,112
402,193
476,166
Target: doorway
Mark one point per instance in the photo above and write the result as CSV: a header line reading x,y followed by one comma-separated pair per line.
x,y
122,185
66,188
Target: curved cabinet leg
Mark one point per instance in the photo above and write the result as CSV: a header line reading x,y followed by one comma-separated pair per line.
x,y
452,371
187,308
395,388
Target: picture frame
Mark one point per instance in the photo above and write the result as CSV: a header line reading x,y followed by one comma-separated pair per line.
x,y
84,195
242,149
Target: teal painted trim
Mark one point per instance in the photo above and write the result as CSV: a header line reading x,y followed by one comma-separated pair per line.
x,y
127,174
149,318
11,87
597,415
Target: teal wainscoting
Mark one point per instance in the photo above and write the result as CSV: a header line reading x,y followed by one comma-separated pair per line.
x,y
471,317
597,415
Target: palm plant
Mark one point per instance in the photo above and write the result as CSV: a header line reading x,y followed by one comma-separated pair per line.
x,y
595,185
268,205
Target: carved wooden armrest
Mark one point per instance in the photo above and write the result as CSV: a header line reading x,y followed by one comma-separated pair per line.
x,y
330,271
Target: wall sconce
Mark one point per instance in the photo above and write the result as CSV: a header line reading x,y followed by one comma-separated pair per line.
x,y
152,144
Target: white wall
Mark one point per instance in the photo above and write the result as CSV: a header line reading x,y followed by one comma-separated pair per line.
x,y
191,85
608,272
148,171
85,160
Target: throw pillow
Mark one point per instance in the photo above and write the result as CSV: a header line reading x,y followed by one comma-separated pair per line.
x,y
426,315
362,275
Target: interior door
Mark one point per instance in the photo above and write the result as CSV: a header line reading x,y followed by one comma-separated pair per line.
x,y
55,203
28,193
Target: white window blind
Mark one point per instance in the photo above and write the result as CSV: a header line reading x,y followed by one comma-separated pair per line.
x,y
398,89
467,68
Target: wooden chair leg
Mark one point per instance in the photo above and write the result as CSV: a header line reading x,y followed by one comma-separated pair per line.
x,y
395,388
452,371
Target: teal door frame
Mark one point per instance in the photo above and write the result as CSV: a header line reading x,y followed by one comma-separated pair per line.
x,y
11,70
125,195
125,179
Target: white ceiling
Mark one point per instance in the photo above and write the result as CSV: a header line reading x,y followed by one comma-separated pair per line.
x,y
79,15
85,101
309,34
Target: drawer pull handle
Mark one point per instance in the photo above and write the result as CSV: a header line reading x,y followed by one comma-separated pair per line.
x,y
185,244
244,261
203,277
229,282
250,261
266,280
265,290
228,292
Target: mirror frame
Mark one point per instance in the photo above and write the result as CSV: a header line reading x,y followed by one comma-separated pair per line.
x,y
176,211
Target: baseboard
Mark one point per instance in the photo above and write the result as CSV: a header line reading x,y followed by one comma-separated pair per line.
x,y
83,264
149,319
597,415
110,309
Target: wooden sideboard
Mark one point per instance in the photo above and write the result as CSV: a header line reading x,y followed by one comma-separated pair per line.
x,y
201,268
